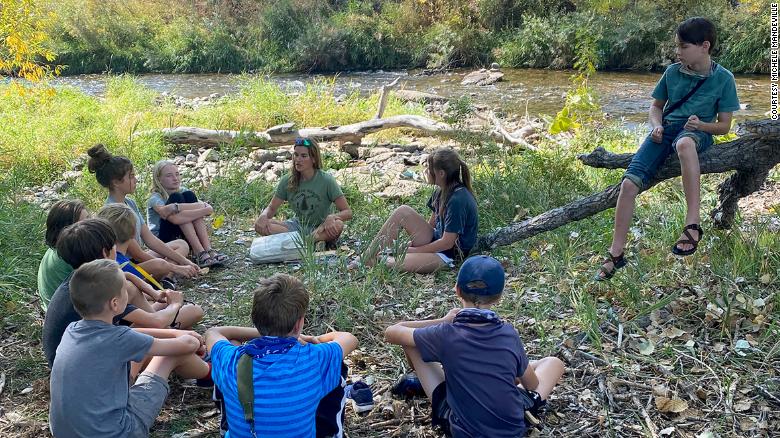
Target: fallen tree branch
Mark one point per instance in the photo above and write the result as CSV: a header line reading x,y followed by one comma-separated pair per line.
x,y
751,156
502,133
383,97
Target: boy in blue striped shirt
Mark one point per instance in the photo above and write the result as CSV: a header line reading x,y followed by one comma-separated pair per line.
x,y
291,373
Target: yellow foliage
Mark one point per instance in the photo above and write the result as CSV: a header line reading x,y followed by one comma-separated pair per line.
x,y
23,38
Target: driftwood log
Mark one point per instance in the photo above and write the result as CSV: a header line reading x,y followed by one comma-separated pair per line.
x,y
286,134
750,156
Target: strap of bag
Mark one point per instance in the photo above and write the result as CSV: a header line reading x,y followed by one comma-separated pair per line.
x,y
246,390
685,98
146,275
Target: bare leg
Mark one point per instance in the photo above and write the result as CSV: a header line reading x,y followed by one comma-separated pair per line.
x,y
321,234
623,213
406,218
430,374
275,227
137,298
191,235
187,366
549,371
157,267
691,173
202,231
178,245
420,263
189,315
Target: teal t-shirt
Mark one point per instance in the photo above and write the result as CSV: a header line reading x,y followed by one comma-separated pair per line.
x,y
718,94
311,203
51,273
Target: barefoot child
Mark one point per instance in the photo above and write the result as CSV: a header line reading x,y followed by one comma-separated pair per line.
x,y
117,175
53,270
310,192
470,362
292,376
90,392
450,233
694,100
174,212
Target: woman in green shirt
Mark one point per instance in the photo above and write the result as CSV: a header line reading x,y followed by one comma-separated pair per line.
x,y
310,192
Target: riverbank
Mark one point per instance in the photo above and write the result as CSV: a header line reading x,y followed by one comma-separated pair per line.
x,y
139,36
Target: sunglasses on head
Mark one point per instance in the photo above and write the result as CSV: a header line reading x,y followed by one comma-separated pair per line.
x,y
305,142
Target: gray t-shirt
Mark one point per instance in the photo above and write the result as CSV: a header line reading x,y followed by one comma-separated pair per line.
x,y
139,220
89,380
151,215
480,365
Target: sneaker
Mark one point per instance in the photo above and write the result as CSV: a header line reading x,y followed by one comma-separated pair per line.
x,y
408,386
361,395
331,245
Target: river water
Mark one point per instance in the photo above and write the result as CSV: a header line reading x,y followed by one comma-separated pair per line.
x,y
623,95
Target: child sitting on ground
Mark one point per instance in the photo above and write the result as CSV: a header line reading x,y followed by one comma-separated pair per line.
x,y
470,362
117,175
90,395
93,239
122,221
289,376
53,270
173,212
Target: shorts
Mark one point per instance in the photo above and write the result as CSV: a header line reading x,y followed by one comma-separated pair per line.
x,y
146,399
651,155
168,231
441,412
295,225
447,256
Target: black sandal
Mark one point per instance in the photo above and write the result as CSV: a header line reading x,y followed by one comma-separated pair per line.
x,y
604,273
688,240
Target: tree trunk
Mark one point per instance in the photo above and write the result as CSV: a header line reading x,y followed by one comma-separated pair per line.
x,y
751,156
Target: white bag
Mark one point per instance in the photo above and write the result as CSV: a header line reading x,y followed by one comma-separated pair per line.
x,y
276,248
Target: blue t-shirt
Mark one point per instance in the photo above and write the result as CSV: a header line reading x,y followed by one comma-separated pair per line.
x,y
288,387
480,365
460,217
718,93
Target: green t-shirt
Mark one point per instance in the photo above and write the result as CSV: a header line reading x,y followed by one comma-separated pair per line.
x,y
51,273
718,94
311,203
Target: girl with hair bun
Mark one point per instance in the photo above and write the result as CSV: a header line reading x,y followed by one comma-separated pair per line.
x,y
117,175
447,236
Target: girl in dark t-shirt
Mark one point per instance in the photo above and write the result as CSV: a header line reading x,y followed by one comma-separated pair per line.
x,y
447,236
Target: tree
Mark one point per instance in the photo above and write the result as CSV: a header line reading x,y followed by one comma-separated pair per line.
x,y
23,38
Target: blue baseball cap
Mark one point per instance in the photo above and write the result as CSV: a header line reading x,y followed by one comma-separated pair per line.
x,y
481,275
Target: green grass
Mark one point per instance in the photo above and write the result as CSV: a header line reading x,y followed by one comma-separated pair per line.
x,y
550,296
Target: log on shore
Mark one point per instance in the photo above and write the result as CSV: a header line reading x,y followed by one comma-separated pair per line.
x,y
751,157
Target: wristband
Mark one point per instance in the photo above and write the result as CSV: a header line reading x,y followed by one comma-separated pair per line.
x,y
175,207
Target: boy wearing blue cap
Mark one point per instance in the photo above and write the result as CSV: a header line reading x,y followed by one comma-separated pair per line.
x,y
470,362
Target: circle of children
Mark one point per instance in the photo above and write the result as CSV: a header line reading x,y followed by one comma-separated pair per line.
x,y
113,314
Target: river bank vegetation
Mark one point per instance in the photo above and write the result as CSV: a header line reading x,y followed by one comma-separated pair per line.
x,y
94,36
694,340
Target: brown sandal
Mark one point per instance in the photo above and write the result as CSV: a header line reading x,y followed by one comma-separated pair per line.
x,y
688,240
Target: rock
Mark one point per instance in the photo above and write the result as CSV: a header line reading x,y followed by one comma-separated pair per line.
x,y
419,96
254,176
373,152
208,155
281,129
482,77
60,186
352,149
400,189
179,159
381,157
261,156
72,175
271,175
495,67
191,158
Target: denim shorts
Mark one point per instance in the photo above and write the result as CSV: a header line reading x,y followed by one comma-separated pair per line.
x,y
651,155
